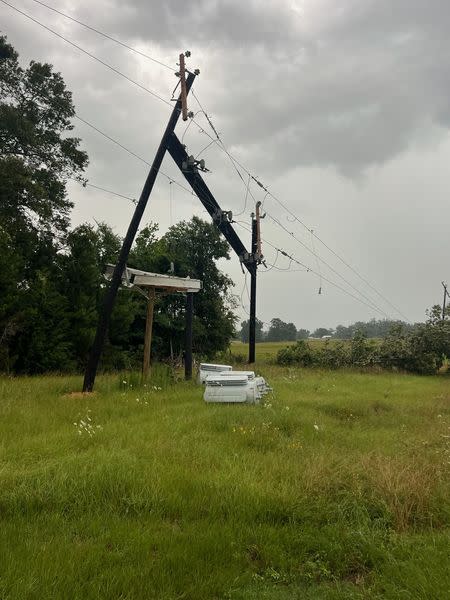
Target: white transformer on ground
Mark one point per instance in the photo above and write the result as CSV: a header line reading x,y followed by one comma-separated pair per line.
x,y
234,386
210,369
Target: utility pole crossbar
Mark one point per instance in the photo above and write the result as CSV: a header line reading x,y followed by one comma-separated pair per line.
x,y
178,152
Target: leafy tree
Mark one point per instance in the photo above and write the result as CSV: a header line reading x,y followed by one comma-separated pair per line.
x,y
303,334
245,327
88,250
321,331
36,157
279,331
193,248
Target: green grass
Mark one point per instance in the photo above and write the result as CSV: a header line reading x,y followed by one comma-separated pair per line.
x,y
336,488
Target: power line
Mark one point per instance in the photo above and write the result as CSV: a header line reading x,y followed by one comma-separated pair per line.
x,y
317,257
105,35
99,60
235,162
102,189
114,141
309,269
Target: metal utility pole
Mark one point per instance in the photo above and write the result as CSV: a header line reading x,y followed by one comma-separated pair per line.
x,y
105,317
444,303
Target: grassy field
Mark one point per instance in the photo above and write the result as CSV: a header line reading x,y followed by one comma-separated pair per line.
x,y
336,488
267,351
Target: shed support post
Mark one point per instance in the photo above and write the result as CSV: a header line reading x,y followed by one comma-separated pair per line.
x,y
188,344
148,334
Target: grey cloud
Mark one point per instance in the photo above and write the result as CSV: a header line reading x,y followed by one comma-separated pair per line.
x,y
302,96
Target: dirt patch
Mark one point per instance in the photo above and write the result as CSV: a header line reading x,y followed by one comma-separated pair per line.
x,y
78,395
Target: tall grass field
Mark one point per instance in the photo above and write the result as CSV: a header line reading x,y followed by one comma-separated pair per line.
x,y
336,487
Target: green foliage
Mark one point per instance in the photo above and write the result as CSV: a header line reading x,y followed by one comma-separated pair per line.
x,y
279,331
321,331
303,334
300,354
36,157
244,333
422,350
193,248
375,328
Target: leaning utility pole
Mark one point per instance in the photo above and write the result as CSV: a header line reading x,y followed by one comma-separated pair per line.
x,y
105,317
223,219
444,303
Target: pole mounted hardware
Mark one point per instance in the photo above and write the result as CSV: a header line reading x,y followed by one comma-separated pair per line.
x,y
192,164
223,215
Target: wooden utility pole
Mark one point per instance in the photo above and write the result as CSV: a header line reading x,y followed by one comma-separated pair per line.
x,y
110,298
183,94
256,260
252,316
148,333
444,303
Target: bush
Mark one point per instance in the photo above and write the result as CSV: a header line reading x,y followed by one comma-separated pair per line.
x,y
333,355
423,350
299,354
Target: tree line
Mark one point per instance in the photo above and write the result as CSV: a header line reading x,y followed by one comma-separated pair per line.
x,y
279,331
51,276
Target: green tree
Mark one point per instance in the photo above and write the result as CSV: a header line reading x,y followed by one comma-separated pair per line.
x,y
303,334
321,331
37,156
88,250
279,331
244,333
193,249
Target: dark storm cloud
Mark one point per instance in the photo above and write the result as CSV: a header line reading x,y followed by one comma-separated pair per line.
x,y
349,84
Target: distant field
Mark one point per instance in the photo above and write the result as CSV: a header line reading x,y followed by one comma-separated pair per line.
x,y
266,351
336,488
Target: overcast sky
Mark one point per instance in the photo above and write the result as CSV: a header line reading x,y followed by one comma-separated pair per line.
x,y
340,107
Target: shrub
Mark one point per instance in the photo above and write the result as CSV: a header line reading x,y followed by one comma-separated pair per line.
x,y
423,350
300,354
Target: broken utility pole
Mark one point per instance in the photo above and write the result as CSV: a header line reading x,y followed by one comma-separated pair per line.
x,y
189,167
105,317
